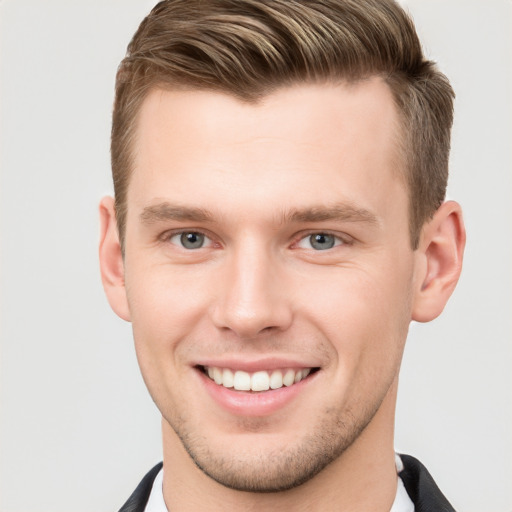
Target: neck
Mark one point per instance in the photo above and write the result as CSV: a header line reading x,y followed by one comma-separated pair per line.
x,y
362,478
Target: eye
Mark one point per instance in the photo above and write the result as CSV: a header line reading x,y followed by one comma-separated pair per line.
x,y
319,241
190,240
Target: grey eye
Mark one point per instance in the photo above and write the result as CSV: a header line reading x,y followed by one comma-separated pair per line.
x,y
322,241
192,240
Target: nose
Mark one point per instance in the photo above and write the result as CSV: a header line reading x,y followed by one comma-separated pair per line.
x,y
252,298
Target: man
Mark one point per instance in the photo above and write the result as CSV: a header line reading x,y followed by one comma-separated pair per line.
x,y
279,170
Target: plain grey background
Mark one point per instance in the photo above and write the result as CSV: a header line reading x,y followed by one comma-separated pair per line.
x,y
78,429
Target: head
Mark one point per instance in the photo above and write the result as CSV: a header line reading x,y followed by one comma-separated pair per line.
x,y
250,48
279,172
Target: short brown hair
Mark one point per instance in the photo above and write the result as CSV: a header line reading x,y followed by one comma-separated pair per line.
x,y
248,48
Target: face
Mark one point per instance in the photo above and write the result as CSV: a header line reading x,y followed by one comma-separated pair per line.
x,y
268,274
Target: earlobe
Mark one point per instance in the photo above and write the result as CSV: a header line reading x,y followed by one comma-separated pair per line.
x,y
111,260
440,261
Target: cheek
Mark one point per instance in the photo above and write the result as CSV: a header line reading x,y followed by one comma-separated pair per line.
x,y
163,299
368,337
365,316
166,308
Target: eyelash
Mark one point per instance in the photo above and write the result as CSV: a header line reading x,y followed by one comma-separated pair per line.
x,y
338,239
168,236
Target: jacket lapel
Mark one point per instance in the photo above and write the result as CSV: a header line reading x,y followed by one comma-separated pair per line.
x,y
421,488
137,501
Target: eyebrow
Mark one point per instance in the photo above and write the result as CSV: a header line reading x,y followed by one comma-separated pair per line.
x,y
338,212
166,211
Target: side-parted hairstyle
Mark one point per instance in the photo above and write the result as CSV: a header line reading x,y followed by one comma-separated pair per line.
x,y
249,48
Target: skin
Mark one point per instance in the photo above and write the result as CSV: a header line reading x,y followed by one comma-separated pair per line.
x,y
258,180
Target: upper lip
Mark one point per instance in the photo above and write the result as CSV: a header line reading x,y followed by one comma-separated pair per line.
x,y
259,364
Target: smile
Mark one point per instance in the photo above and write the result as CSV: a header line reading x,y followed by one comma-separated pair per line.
x,y
257,381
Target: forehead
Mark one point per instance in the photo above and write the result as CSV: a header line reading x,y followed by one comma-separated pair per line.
x,y
292,111
294,143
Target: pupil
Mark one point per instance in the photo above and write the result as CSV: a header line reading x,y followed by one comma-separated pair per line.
x,y
322,241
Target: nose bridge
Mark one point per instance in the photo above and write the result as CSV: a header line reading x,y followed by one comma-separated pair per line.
x,y
252,298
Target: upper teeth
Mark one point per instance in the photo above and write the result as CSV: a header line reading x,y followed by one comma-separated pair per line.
x,y
258,381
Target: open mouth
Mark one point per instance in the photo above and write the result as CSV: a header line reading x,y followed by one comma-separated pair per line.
x,y
263,380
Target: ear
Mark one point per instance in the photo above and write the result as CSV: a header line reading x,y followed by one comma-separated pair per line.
x,y
439,254
111,260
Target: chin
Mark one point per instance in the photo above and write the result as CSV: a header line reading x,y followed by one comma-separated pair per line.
x,y
259,464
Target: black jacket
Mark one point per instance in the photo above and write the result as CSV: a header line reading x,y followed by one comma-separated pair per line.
x,y
420,486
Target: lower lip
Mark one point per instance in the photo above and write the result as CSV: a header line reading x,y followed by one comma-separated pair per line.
x,y
263,403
